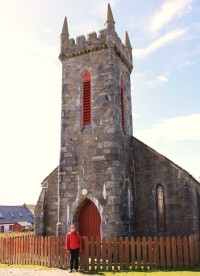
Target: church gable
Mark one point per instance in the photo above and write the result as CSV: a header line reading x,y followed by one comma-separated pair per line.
x,y
180,193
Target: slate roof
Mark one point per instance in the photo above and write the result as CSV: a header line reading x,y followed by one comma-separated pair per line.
x,y
12,214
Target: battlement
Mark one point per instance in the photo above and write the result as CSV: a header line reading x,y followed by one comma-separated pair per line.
x,y
106,38
93,42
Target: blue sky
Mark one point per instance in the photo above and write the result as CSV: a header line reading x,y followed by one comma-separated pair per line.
x,y
165,82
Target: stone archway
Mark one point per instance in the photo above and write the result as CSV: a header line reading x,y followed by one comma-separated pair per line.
x,y
89,220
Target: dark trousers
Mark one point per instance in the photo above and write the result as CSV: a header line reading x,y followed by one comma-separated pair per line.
x,y
74,253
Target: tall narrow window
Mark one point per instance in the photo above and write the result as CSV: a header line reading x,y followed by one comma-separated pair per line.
x,y
86,100
160,208
122,103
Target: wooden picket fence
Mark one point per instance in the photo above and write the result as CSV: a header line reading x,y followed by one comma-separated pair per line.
x,y
105,254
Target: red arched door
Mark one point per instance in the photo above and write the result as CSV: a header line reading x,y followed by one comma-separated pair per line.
x,y
89,220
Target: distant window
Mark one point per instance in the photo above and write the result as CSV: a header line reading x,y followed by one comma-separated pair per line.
x,y
20,214
122,103
1,216
11,214
160,208
86,100
1,229
10,228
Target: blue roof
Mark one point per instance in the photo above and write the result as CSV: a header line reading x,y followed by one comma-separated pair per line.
x,y
12,214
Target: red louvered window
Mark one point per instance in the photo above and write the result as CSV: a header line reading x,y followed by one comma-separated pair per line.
x,y
122,103
86,100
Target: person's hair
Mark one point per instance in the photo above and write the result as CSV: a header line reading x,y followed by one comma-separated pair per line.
x,y
73,226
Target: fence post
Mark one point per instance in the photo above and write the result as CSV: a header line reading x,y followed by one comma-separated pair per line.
x,y
186,252
0,250
86,242
138,244
121,253
92,253
193,250
109,243
98,252
133,253
127,262
150,252
144,252
198,248
174,253
180,252
162,252
156,253
115,242
168,253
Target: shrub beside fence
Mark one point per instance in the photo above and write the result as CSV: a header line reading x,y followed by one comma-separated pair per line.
x,y
105,254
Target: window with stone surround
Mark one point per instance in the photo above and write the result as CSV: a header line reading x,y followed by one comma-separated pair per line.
x,y
160,208
122,102
86,100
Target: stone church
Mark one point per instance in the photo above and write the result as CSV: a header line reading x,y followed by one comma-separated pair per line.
x,y
108,182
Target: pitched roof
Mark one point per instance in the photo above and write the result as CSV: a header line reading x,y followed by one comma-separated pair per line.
x,y
24,223
170,161
12,214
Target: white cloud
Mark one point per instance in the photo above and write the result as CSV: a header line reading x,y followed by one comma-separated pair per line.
x,y
158,43
168,11
162,78
174,129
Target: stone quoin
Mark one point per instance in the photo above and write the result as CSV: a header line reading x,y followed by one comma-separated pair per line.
x,y
107,182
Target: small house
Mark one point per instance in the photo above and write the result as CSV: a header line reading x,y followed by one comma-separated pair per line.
x,y
15,217
22,226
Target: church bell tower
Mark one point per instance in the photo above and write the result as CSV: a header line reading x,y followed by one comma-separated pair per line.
x,y
95,174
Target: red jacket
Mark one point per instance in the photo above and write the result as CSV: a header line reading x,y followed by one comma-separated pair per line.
x,y
73,241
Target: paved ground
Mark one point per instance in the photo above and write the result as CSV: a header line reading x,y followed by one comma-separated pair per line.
x,y
35,272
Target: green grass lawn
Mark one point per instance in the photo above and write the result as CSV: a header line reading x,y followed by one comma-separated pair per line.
x,y
194,272
155,273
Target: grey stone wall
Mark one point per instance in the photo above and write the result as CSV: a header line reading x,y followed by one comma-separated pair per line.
x,y
46,211
98,159
180,194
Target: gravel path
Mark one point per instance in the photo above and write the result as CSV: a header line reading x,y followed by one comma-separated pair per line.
x,y
35,272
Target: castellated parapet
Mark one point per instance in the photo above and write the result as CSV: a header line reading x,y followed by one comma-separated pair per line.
x,y
71,48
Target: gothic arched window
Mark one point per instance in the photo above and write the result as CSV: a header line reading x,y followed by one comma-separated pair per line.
x,y
122,102
86,100
160,208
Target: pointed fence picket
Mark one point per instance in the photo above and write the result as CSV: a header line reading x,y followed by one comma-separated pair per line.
x,y
104,254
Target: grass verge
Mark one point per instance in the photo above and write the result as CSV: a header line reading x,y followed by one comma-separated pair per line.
x,y
194,272
26,266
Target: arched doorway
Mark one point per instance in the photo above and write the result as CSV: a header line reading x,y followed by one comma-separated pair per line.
x,y
89,220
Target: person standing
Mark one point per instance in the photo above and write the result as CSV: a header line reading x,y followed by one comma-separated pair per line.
x,y
73,245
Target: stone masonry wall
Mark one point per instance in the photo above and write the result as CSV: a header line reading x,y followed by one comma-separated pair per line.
x,y
180,194
98,159
46,212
